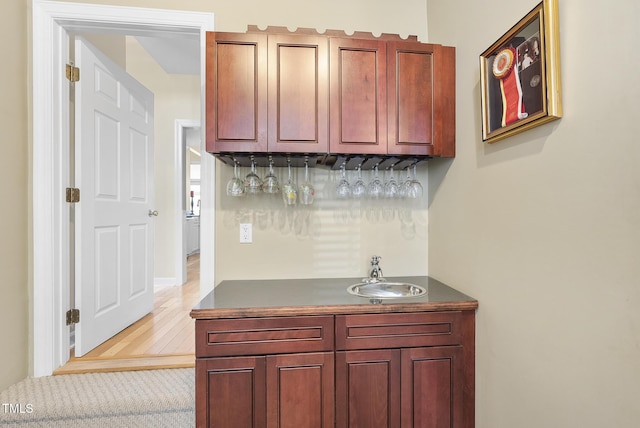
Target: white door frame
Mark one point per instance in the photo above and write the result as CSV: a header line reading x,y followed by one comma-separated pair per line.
x,y
51,20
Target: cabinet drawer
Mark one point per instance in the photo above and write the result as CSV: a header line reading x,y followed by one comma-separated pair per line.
x,y
378,331
255,336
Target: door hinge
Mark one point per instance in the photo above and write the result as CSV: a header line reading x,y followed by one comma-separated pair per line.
x,y
73,73
73,195
73,316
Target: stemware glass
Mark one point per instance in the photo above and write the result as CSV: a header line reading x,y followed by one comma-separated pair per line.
x,y
375,188
416,187
343,189
270,182
359,189
289,189
252,183
405,187
235,186
391,189
307,191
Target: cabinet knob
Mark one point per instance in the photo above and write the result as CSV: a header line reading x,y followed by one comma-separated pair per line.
x,y
153,213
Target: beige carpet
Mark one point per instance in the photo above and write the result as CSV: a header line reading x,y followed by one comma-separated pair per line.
x,y
146,398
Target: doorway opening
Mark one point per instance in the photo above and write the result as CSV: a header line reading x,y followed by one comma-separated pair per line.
x,y
52,22
188,144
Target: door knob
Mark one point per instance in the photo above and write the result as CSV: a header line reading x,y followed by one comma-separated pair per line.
x,y
153,213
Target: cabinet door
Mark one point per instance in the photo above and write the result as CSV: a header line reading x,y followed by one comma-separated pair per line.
x,y
298,94
368,389
432,387
421,102
444,115
358,96
230,392
236,92
300,390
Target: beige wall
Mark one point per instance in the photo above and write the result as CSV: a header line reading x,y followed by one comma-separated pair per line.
x,y
402,17
331,238
544,228
112,45
14,179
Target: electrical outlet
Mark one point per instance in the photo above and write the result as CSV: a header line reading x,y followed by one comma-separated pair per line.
x,y
246,233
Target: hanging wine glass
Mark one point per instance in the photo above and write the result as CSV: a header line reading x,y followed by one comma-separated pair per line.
x,y
375,189
252,183
343,189
416,187
391,189
270,182
405,187
359,189
235,186
289,189
307,191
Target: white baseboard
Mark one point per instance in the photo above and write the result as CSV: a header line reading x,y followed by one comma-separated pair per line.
x,y
164,282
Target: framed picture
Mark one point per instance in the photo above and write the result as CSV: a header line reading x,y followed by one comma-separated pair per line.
x,y
520,75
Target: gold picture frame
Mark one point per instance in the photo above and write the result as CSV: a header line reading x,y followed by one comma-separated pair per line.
x,y
520,75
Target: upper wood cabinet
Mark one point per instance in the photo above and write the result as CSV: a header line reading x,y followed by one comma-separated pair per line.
x,y
421,99
298,94
392,97
358,96
267,93
279,92
236,92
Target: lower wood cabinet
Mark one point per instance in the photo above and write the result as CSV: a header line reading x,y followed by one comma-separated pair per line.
x,y
290,390
414,387
231,392
368,388
300,390
395,370
432,387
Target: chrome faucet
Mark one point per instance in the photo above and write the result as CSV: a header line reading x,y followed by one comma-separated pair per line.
x,y
375,274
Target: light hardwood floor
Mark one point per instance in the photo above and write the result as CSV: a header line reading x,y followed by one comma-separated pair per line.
x,y
162,339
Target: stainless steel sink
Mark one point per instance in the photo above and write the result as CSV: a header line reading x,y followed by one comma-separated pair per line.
x,y
378,290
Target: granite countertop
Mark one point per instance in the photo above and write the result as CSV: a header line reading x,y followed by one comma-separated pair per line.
x,y
293,297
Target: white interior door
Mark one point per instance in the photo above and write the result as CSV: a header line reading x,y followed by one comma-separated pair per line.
x,y
114,222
